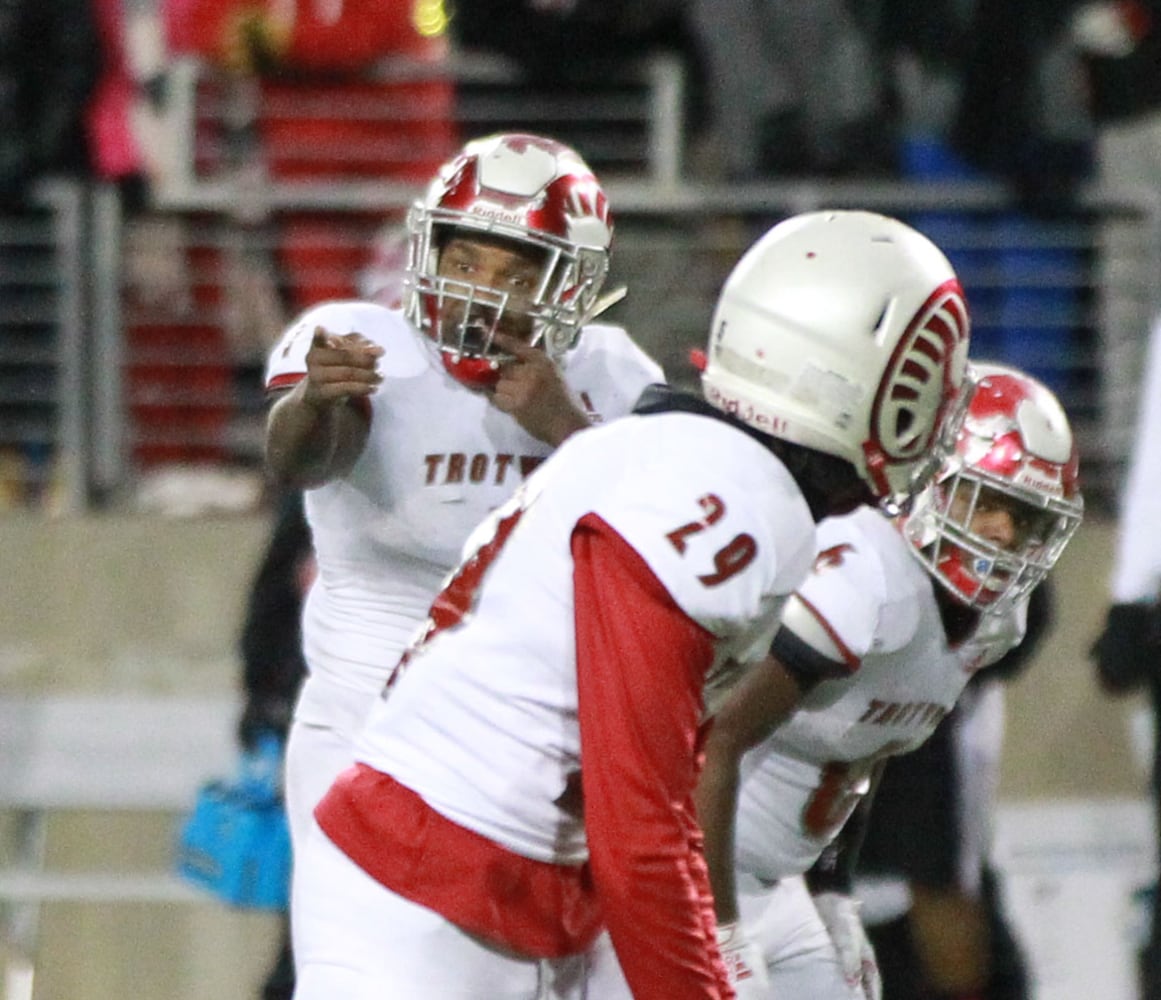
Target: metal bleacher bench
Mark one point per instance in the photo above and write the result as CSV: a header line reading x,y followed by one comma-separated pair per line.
x,y
94,753
633,118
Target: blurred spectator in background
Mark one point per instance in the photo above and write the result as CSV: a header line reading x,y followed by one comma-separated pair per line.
x,y
123,118
1128,650
570,47
272,663
180,411
1021,113
302,92
1120,44
1012,111
924,90
933,901
556,41
792,88
49,60
345,91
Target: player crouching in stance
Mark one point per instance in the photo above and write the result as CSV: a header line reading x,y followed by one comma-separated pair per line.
x,y
527,778
874,650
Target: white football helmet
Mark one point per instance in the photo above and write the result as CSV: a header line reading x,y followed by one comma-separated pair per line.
x,y
1005,503
529,191
846,332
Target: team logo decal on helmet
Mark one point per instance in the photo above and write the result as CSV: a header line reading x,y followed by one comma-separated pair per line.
x,y
1007,499
537,196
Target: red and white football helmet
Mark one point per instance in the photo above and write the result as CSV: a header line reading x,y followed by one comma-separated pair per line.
x,y
1014,459
846,332
534,192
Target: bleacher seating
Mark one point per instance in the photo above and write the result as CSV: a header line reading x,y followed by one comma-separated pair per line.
x,y
117,385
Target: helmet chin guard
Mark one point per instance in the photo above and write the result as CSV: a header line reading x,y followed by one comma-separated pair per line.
x,y
846,332
1006,501
531,194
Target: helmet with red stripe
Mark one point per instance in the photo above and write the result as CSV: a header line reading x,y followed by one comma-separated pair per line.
x,y
1000,511
846,332
535,199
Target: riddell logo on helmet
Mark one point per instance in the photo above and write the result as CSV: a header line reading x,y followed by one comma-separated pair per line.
x,y
499,214
1026,478
747,412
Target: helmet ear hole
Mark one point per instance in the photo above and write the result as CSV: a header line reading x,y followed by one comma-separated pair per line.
x,y
847,332
904,421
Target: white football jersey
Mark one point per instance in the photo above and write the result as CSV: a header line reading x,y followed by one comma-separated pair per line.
x,y
1136,574
876,603
438,459
481,721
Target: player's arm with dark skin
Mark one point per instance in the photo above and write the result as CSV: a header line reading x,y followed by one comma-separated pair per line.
x,y
765,697
532,390
316,431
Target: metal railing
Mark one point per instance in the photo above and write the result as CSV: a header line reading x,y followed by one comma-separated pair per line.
x,y
46,425
629,125
137,381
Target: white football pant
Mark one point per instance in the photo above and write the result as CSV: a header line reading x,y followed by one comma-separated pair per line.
x,y
800,957
356,940
320,747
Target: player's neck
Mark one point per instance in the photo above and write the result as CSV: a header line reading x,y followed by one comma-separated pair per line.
x,y
959,620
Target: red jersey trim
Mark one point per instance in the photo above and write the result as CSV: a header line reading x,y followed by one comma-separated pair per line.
x,y
530,907
286,380
852,661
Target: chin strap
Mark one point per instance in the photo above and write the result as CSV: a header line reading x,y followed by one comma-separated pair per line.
x,y
876,463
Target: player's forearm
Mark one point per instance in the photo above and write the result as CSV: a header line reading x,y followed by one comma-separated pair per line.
x,y
664,948
716,798
563,424
548,419
311,443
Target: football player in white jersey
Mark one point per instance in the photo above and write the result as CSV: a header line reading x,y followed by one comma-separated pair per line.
x,y
527,778
406,427
874,649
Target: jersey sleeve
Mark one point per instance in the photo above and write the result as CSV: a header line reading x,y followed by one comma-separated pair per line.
x,y
619,370
835,617
725,531
641,664
286,363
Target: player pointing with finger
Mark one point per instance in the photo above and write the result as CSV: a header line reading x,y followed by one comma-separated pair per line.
x,y
407,427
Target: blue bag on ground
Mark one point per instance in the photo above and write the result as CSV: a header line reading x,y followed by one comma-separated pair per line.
x,y
236,842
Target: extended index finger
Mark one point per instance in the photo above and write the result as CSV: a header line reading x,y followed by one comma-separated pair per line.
x,y
519,349
344,345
